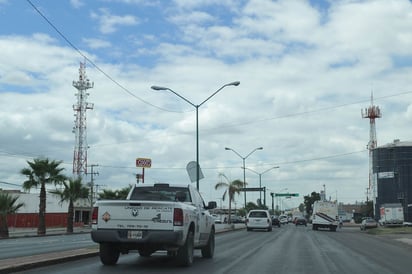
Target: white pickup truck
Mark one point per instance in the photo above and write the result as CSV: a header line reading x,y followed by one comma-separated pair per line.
x,y
154,217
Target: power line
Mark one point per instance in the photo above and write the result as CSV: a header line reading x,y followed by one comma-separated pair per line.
x,y
6,183
94,64
309,111
226,167
167,110
270,164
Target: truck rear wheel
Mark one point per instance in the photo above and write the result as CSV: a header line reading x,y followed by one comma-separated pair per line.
x,y
209,249
185,253
109,255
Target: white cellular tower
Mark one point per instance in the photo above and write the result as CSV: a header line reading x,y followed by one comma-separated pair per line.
x,y
372,112
79,129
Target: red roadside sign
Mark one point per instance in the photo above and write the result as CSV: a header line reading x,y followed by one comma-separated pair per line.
x,y
143,162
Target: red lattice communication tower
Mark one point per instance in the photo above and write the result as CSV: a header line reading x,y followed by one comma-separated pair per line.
x,y
79,129
372,112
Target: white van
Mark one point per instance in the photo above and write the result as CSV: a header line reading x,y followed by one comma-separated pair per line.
x,y
258,219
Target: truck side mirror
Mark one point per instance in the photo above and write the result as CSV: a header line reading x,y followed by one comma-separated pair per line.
x,y
211,205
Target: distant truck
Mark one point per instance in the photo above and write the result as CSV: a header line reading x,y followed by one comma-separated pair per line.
x,y
325,215
391,214
154,217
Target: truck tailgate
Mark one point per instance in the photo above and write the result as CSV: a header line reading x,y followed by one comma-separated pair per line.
x,y
135,215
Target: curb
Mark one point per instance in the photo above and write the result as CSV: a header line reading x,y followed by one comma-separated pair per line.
x,y
29,262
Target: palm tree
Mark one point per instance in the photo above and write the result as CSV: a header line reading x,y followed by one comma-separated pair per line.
x,y
73,191
40,173
120,194
8,205
232,187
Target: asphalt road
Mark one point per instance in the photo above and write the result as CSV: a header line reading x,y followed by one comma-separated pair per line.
x,y
29,246
288,249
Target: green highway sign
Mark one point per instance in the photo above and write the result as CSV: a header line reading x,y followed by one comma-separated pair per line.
x,y
252,189
286,194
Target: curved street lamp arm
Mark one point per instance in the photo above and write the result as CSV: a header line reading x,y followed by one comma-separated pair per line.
x,y
269,169
252,170
228,148
175,93
261,172
258,148
236,83
243,158
230,84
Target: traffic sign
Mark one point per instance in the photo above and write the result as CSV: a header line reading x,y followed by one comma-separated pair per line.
x,y
286,194
143,162
252,189
191,169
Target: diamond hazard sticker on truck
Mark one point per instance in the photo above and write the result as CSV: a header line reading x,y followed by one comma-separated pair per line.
x,y
106,217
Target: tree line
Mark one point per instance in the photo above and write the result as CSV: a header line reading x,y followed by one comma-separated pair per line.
x,y
41,172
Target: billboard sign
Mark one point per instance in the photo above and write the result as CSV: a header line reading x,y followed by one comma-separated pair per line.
x,y
386,175
143,162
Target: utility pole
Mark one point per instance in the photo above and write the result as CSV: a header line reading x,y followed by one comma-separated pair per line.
x,y
273,208
92,173
97,187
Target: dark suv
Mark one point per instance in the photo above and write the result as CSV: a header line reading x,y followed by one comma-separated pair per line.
x,y
300,221
275,221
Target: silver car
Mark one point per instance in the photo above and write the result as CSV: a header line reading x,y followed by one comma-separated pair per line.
x,y
368,223
258,219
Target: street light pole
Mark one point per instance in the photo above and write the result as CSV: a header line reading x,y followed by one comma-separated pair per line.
x,y
279,201
243,160
260,180
236,83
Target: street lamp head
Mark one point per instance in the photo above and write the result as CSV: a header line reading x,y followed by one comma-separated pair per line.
x,y
259,148
228,148
158,88
236,83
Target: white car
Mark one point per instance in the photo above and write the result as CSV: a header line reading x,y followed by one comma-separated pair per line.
x,y
283,219
258,219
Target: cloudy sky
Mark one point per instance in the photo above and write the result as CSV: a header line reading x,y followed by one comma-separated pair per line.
x,y
306,70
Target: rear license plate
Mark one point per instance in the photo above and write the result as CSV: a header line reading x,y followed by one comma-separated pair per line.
x,y
134,234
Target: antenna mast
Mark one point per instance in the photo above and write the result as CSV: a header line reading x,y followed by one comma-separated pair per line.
x,y
79,129
372,112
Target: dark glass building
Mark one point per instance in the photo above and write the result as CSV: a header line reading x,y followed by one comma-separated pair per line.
x,y
392,170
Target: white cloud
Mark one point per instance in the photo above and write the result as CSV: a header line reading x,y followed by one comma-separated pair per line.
x,y
96,43
305,76
109,23
77,3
